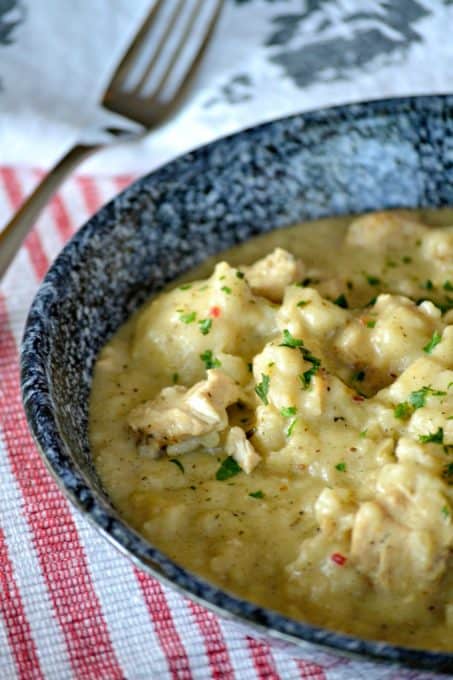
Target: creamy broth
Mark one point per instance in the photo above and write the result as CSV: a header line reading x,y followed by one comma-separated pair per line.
x,y
284,428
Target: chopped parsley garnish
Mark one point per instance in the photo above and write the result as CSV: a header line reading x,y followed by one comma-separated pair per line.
x,y
371,302
434,437
289,341
288,411
209,360
186,286
262,388
229,468
250,367
371,324
445,511
372,280
188,317
239,274
226,289
290,429
205,326
406,259
306,377
402,410
448,285
436,338
359,376
341,301
349,285
178,463
302,303
341,467
391,263
256,494
175,378
428,285
418,397
363,434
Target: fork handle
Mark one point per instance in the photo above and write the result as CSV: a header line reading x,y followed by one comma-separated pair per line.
x,y
13,235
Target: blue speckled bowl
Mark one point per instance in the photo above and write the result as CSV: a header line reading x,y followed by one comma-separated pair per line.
x,y
395,153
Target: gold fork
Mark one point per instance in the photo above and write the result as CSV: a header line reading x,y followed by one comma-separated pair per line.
x,y
177,40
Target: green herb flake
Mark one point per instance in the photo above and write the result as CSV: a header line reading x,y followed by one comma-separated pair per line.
x,y
226,289
341,301
434,437
178,464
428,285
303,303
209,360
359,376
290,429
445,511
175,378
185,286
402,410
256,494
349,285
289,341
262,388
250,367
239,274
391,263
363,434
418,397
436,338
229,468
371,302
188,317
406,259
448,285
372,280
205,326
371,324
341,467
288,411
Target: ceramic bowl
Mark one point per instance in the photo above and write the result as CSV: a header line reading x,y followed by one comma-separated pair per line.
x,y
378,155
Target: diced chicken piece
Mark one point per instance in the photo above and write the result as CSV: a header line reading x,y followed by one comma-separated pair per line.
x,y
208,442
335,512
401,331
410,451
394,557
438,245
238,446
382,230
178,414
269,276
317,317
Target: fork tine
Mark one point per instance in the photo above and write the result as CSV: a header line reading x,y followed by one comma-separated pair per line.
x,y
133,50
158,50
197,57
177,52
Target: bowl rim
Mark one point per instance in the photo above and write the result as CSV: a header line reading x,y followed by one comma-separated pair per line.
x,y
37,401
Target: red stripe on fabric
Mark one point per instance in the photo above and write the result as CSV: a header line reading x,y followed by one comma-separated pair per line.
x,y
90,193
123,181
17,626
170,641
262,659
310,671
61,218
32,243
219,659
60,553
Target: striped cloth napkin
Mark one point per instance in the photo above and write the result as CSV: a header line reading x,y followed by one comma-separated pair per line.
x,y
71,607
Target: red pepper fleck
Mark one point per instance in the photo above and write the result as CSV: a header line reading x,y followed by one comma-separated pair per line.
x,y
215,312
338,558
357,397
